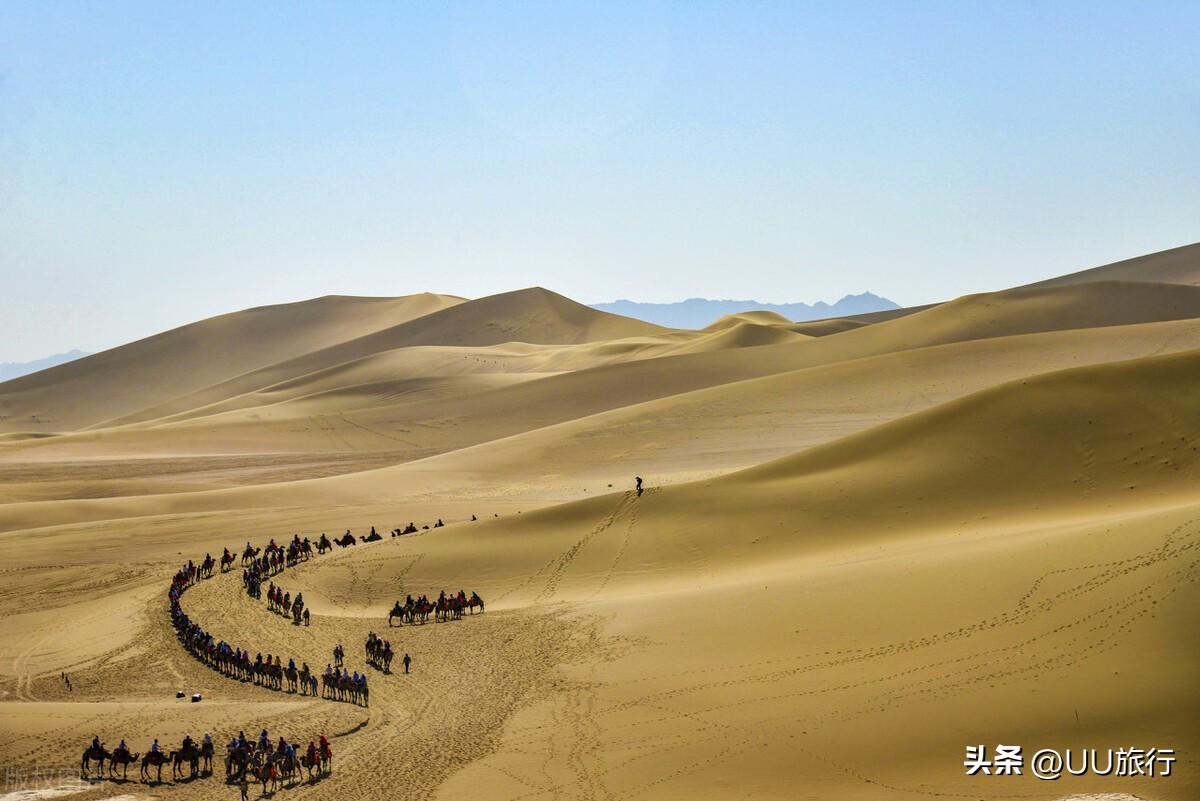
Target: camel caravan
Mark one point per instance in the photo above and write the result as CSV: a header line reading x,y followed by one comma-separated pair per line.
x,y
274,765
235,662
446,608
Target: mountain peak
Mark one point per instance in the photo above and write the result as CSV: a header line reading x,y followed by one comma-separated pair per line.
x,y
700,312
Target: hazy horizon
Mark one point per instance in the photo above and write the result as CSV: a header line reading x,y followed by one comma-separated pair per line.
x,y
162,164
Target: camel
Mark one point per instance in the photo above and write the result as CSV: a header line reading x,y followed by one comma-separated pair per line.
x,y
237,760
100,755
346,540
190,755
475,601
156,759
124,759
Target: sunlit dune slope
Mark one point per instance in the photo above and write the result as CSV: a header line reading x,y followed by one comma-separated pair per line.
x,y
534,315
374,420
760,317
1179,265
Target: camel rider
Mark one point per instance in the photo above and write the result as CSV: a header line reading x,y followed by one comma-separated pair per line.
x,y
96,746
122,748
263,739
291,663
299,599
154,747
290,750
187,743
328,669
312,753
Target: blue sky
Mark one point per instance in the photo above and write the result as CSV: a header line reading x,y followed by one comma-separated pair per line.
x,y
160,163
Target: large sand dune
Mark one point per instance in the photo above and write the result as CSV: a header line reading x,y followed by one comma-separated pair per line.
x,y
864,544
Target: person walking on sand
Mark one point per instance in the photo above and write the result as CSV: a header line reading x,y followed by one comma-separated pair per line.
x,y
244,784
407,662
638,480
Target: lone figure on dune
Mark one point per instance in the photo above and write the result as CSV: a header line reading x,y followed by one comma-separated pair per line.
x,y
638,481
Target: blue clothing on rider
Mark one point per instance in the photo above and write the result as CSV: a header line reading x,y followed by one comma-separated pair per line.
x,y
154,746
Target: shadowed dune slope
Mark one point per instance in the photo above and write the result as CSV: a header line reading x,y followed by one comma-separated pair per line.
x,y
122,380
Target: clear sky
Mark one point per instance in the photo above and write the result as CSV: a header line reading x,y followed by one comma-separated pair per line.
x,y
160,163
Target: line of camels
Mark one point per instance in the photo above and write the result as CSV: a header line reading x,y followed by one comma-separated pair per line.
x,y
268,672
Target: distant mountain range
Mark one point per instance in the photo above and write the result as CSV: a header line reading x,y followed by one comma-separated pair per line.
x,y
11,370
699,312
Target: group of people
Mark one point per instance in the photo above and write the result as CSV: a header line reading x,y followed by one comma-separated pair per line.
x,y
233,661
280,601
244,758
273,764
190,753
447,607
380,653
341,684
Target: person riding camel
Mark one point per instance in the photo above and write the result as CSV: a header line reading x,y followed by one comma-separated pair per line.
x,y
154,749
313,757
187,743
263,739
122,749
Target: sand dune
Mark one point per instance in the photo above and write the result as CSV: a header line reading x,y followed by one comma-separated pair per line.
x,y
120,381
821,328
864,544
1179,265
761,317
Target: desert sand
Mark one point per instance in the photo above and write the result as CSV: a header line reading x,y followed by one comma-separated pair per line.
x,y
864,544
